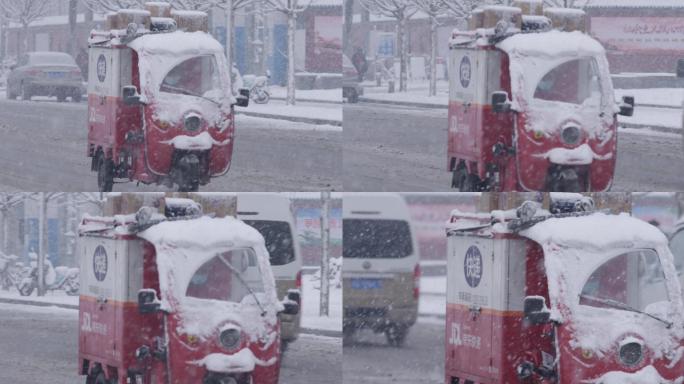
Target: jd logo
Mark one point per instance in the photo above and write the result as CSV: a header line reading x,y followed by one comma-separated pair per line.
x,y
101,68
464,72
100,263
455,338
472,266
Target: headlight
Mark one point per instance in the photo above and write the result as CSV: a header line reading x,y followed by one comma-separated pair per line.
x,y
230,338
192,122
631,353
571,135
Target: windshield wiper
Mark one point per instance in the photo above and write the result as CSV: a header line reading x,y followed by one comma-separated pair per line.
x,y
189,93
623,306
239,276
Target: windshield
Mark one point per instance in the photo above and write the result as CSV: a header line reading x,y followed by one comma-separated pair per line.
x,y
197,76
677,248
575,82
633,279
376,239
228,276
278,237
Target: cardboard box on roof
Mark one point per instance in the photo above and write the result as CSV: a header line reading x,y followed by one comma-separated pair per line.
x,y
616,202
476,19
494,13
125,17
158,9
217,204
191,21
491,201
529,7
566,19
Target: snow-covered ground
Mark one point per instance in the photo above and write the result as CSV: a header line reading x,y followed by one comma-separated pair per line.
x,y
311,306
325,111
326,95
432,302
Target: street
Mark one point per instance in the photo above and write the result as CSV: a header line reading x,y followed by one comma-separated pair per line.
x,y
40,345
44,148
369,359
399,148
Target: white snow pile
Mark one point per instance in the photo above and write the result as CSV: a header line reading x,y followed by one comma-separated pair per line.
x,y
582,155
532,56
574,248
159,53
201,142
648,374
182,247
243,361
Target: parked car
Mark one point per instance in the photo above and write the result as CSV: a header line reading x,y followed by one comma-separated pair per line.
x,y
45,74
351,87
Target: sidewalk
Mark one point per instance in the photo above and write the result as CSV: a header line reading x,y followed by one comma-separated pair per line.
x,y
302,112
333,96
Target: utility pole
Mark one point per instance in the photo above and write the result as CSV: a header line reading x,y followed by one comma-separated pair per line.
x,y
41,243
325,254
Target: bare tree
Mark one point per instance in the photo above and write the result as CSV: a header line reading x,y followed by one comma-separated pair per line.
x,y
24,12
433,9
290,8
231,7
7,202
104,6
400,10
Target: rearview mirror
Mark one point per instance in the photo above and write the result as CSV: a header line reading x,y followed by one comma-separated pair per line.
x,y
291,308
243,98
130,95
147,301
500,102
535,310
627,106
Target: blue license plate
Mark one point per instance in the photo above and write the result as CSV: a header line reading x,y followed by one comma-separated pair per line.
x,y
366,283
55,75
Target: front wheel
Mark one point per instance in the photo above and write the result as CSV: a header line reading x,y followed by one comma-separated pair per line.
x,y
105,174
26,289
261,97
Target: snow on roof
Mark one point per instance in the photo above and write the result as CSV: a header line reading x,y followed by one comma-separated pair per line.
x,y
631,4
598,230
204,232
551,44
176,42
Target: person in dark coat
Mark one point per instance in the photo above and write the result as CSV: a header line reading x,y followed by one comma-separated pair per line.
x,y
360,63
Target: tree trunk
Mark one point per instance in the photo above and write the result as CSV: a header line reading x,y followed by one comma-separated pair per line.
x,y
348,19
229,39
433,56
42,249
24,40
73,14
401,37
325,255
291,28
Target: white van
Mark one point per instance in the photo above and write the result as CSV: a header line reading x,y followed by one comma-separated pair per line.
x,y
271,214
380,269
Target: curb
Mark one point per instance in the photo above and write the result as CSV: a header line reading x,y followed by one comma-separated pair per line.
x,y
297,119
403,103
37,303
309,100
432,317
656,128
309,331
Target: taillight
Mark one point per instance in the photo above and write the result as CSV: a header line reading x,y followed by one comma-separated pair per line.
x,y
298,280
416,281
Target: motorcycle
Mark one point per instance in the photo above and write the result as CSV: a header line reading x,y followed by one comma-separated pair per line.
x,y
56,278
258,87
11,271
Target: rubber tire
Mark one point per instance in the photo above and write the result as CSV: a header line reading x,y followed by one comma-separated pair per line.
x,y
396,335
348,333
25,94
61,95
471,183
105,174
353,98
76,97
25,292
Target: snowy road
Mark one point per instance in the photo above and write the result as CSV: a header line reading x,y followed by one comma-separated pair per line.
x,y
368,359
398,148
43,147
40,345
